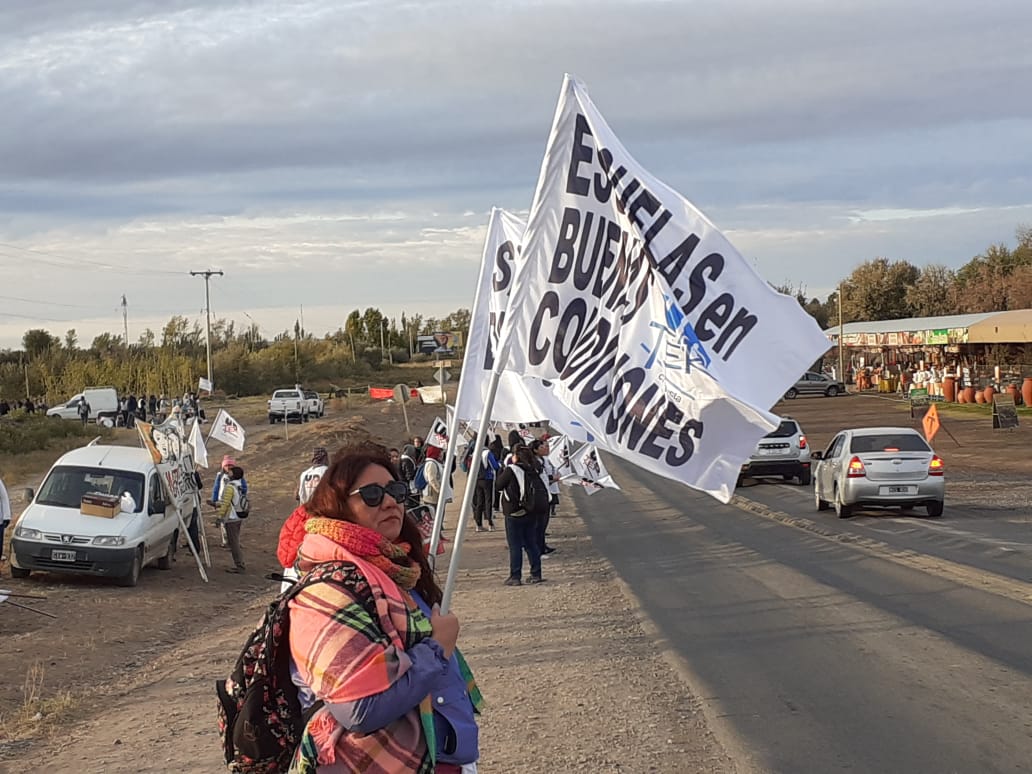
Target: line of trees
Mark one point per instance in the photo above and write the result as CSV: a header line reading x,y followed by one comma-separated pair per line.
x,y
243,360
997,280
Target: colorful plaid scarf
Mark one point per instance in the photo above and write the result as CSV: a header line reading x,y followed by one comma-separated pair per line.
x,y
368,544
348,639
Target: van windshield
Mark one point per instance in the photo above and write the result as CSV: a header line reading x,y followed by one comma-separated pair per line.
x,y
66,485
285,394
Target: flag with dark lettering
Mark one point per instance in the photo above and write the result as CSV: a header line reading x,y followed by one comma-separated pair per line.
x,y
517,399
640,315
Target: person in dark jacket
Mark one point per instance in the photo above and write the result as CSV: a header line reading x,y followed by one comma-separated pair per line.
x,y
407,472
499,454
520,525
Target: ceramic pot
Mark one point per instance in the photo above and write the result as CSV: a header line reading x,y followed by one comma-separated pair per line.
x,y
1026,391
989,392
949,388
979,395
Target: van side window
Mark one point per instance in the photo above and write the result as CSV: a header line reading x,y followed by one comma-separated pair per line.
x,y
156,495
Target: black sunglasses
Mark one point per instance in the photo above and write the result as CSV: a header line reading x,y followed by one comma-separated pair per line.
x,y
372,494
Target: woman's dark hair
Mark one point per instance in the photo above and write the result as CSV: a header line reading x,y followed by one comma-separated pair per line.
x,y
331,500
524,455
236,473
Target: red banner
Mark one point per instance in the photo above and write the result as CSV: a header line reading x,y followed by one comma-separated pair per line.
x,y
387,393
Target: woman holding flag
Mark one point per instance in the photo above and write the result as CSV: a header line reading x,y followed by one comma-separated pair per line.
x,y
372,645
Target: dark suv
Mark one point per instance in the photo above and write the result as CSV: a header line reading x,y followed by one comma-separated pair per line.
x,y
782,452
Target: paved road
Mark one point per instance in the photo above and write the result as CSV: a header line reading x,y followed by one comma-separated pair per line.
x,y
868,645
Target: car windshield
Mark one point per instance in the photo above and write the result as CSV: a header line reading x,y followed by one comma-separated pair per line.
x,y
786,429
66,485
888,443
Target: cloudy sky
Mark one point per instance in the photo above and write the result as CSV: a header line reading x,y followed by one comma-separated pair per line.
x,y
337,154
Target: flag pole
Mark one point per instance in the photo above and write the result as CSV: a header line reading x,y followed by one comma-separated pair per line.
x,y
471,485
449,460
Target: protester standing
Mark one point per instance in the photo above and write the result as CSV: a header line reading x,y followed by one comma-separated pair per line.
x,y
373,645
228,516
483,495
521,513
84,410
313,474
407,472
551,479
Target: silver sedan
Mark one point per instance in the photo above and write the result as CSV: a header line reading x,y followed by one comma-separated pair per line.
x,y
878,466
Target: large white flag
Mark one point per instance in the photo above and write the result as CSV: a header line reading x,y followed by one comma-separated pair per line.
x,y
518,399
590,471
642,317
196,441
227,430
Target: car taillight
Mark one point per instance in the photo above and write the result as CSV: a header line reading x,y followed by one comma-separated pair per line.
x,y
936,467
802,442
856,469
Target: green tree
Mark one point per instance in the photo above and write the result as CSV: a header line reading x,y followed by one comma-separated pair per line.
x,y
933,293
38,342
71,339
877,290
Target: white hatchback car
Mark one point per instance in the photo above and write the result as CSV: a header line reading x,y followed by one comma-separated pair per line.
x,y
878,466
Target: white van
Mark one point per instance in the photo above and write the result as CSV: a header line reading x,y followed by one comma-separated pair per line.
x,y
103,405
54,535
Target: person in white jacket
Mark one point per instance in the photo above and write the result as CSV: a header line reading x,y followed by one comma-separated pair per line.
x,y
433,470
313,475
5,513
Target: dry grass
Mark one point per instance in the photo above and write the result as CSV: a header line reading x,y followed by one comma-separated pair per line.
x,y
38,713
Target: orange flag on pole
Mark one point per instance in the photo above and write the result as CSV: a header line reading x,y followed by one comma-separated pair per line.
x,y
931,423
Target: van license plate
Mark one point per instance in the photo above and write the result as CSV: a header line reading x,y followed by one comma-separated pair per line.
x,y
63,556
899,490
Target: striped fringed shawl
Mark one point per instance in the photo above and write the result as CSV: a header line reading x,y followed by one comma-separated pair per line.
x,y
348,639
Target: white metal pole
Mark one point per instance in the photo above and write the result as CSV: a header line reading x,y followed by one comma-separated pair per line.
x,y
449,459
471,485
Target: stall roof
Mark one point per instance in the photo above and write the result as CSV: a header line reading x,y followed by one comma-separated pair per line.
x,y
916,324
1014,327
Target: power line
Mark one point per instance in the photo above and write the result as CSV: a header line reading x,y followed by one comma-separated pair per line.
x,y
48,303
73,263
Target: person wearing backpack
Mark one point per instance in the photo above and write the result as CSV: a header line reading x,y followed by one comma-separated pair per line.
x,y
551,479
229,515
484,493
372,645
524,500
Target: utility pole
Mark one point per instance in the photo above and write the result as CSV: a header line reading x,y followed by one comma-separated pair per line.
x,y
841,373
125,319
207,313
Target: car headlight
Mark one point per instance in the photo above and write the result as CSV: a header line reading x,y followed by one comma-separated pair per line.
x,y
28,534
109,540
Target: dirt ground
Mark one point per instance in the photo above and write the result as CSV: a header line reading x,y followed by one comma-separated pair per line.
x,y
122,679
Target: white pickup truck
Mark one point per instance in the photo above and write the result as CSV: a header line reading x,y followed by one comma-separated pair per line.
x,y
316,405
288,404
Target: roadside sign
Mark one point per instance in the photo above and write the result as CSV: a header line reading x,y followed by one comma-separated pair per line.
x,y
443,376
1005,413
930,423
402,395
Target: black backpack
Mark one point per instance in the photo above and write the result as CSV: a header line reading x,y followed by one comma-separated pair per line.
x,y
259,714
534,498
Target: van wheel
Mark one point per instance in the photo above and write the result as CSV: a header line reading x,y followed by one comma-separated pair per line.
x,y
18,572
165,562
134,572
804,478
934,509
272,419
832,391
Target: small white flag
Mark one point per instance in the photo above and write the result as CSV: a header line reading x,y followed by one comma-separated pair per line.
x,y
204,384
438,435
200,451
591,471
227,430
